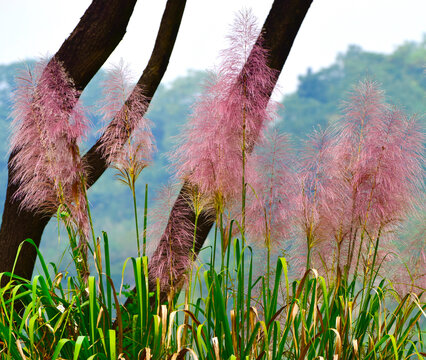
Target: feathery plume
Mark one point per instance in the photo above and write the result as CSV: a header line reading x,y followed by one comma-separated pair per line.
x,y
380,157
48,124
368,180
407,269
317,172
388,176
273,197
127,139
232,109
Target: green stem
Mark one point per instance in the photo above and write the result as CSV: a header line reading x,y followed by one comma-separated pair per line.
x,y
308,256
268,271
96,246
228,255
366,294
359,255
145,219
89,215
223,242
243,196
214,248
308,266
136,219
193,255
374,258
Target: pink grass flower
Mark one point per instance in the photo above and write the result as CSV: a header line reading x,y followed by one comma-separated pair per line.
x,y
388,177
318,186
210,150
48,124
127,139
362,183
380,156
360,113
273,198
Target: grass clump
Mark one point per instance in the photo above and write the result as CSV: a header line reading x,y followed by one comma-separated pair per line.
x,y
232,314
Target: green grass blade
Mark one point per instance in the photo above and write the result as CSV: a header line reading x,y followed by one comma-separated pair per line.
x,y
78,346
59,347
108,274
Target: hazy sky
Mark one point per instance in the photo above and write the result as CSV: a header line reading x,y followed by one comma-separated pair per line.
x,y
31,28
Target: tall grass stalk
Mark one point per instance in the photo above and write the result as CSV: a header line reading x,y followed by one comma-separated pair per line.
x,y
135,209
145,219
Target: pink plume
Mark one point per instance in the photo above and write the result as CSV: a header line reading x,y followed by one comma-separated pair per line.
x,y
127,133
209,154
48,124
363,180
273,197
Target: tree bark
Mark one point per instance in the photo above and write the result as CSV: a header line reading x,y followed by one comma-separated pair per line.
x,y
278,34
97,34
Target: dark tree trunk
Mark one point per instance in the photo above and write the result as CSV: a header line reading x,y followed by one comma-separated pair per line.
x,y
278,34
97,34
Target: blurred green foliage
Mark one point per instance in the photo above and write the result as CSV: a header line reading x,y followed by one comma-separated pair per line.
x,y
319,95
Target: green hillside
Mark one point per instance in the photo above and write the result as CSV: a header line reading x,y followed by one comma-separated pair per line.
x,y
316,102
319,94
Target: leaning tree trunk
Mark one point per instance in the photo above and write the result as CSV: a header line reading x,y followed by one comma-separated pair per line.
x,y
278,34
97,34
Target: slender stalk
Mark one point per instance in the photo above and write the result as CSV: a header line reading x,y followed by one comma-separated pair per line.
x,y
224,245
135,209
243,211
308,265
213,257
268,247
186,307
308,255
359,254
96,244
193,249
374,256
89,215
352,239
268,270
189,288
370,201
145,219
227,260
310,235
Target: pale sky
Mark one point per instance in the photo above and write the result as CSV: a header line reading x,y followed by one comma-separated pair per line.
x,y
33,28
